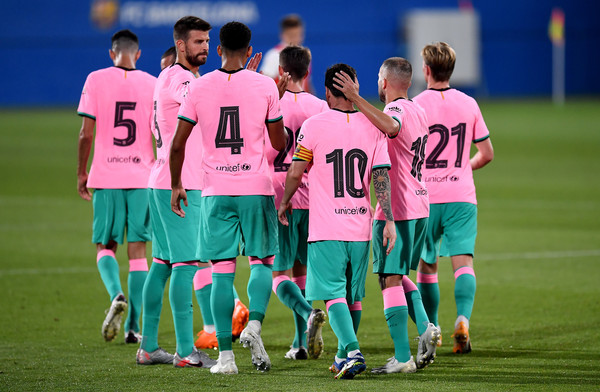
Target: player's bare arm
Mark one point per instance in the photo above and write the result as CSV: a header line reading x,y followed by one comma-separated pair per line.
x,y
381,183
484,155
385,123
176,157
277,134
292,182
86,138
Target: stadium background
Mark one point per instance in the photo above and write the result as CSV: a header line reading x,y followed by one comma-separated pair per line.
x,y
63,41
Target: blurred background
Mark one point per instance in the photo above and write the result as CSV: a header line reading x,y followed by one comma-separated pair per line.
x,y
503,48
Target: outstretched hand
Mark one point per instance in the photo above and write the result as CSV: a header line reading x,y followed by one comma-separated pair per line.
x,y
254,62
282,83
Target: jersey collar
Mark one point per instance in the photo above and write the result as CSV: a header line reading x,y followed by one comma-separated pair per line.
x,y
346,111
125,69
230,72
440,89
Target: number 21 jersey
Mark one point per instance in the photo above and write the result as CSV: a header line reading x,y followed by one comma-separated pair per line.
x,y
455,122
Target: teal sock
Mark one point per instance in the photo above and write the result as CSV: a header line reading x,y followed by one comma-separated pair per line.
x,y
430,295
180,296
152,298
356,316
203,297
397,318
259,290
235,294
342,325
416,310
300,324
109,272
222,303
135,286
291,296
464,294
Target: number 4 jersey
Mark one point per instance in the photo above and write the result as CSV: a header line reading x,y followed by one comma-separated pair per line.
x,y
407,154
120,101
343,148
231,109
455,122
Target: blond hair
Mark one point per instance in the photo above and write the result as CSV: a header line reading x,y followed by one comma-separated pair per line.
x,y
440,58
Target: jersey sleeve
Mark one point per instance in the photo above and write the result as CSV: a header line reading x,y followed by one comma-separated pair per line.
x,y
381,157
304,146
274,109
187,110
179,88
397,114
480,130
87,103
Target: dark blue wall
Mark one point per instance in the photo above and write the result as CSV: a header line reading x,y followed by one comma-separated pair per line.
x,y
48,48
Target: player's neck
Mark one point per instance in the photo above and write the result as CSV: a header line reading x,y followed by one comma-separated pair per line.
x,y
342,104
392,95
124,61
432,84
295,87
232,63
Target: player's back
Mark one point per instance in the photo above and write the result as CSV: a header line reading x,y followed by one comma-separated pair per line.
x,y
120,101
171,88
455,121
345,147
231,109
296,108
407,155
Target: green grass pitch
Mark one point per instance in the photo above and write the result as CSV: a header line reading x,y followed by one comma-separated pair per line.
x,y
537,310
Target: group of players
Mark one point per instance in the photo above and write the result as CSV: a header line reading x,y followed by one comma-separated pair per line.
x,y
232,146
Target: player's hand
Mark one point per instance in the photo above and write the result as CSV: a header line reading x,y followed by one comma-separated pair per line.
x,y
281,213
343,82
282,83
178,195
254,62
82,189
389,236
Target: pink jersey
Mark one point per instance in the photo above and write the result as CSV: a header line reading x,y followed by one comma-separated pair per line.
x,y
296,108
120,101
343,148
407,153
231,109
455,122
171,88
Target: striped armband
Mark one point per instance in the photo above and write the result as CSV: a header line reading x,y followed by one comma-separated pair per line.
x,y
302,154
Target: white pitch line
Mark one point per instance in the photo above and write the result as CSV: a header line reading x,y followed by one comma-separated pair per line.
x,y
539,255
486,257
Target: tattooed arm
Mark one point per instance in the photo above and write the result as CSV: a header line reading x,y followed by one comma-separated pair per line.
x,y
381,183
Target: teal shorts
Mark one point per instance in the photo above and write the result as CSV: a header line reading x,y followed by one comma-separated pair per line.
x,y
231,222
407,251
174,238
292,241
117,210
337,269
454,224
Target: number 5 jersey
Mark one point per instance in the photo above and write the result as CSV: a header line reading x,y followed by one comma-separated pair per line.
x,y
120,101
455,122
